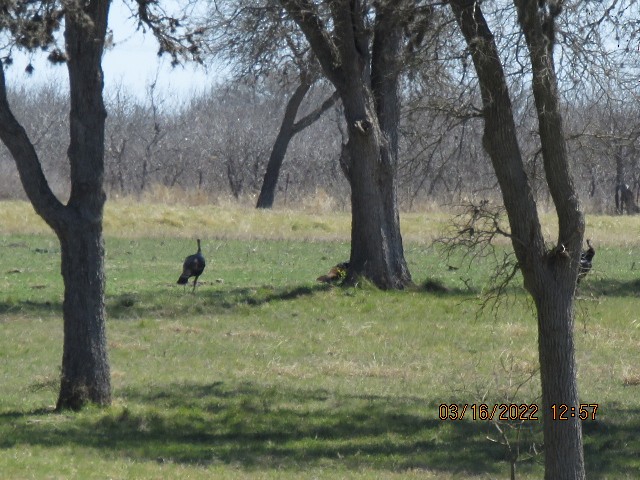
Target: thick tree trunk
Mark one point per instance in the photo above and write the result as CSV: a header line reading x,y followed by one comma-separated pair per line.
x,y
563,452
376,243
85,365
373,118
365,74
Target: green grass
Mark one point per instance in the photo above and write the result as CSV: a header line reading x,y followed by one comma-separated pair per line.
x,y
266,374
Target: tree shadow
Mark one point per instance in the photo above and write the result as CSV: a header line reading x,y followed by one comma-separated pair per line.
x,y
218,301
438,287
253,427
267,427
609,287
128,305
30,307
612,447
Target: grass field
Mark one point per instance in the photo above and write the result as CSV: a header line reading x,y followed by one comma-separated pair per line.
x,y
266,374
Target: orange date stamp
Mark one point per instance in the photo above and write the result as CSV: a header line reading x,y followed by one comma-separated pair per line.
x,y
482,411
584,411
514,411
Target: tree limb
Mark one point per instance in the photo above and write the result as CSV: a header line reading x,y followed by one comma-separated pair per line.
x,y
305,14
29,168
313,116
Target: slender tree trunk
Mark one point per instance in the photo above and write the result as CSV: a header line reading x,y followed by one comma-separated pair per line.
x,y
288,129
620,170
279,150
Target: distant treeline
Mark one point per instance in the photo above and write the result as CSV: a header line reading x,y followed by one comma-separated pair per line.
x,y
219,143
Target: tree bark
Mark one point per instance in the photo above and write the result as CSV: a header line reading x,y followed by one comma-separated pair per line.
x,y
376,243
85,365
78,225
365,74
549,276
564,456
563,447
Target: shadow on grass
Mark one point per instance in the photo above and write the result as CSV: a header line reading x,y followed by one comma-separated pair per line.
x,y
609,287
221,300
129,305
203,302
269,427
612,447
438,287
30,307
256,427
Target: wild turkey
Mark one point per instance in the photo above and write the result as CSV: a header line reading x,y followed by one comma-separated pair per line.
x,y
336,274
193,267
586,261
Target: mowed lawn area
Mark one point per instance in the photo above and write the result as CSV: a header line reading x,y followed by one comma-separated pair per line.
x,y
265,373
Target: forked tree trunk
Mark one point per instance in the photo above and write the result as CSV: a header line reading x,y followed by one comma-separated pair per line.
x,y
555,292
288,129
279,150
373,117
78,225
549,276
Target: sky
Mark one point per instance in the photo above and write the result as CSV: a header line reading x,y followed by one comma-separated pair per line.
x,y
132,63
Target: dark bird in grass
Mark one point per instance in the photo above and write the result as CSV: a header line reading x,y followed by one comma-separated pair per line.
x,y
193,267
586,261
336,274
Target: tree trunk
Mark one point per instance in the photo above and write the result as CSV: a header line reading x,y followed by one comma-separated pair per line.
x,y
365,74
563,452
620,167
549,276
78,225
288,129
85,366
279,150
376,243
554,296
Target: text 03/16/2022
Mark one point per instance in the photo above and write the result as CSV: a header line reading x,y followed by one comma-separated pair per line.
x,y
513,411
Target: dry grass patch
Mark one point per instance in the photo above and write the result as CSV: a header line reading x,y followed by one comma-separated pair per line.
x,y
255,334
169,213
180,328
631,379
